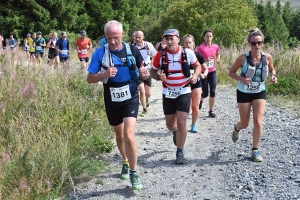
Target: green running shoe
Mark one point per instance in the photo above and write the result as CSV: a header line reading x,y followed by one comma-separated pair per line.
x,y
125,172
256,157
144,113
136,181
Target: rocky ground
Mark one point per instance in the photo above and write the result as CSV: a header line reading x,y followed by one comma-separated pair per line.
x,y
217,168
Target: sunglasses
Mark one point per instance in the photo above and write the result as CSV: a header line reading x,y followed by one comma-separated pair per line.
x,y
256,43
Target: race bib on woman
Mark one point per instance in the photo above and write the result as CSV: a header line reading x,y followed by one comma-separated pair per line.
x,y
210,64
253,87
84,51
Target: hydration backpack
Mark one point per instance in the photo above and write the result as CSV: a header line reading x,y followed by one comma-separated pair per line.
x,y
251,70
185,68
61,43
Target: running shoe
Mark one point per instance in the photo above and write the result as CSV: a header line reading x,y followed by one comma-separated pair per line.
x,y
144,113
125,172
235,135
136,181
174,137
256,157
194,129
147,103
211,114
180,160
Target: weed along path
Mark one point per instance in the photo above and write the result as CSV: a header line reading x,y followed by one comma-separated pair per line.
x,y
217,168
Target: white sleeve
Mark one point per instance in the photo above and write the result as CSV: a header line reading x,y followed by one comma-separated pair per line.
x,y
152,49
192,59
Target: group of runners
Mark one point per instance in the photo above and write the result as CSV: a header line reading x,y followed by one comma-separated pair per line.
x,y
187,77
59,48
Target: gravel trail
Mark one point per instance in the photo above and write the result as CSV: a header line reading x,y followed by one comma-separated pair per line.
x,y
217,168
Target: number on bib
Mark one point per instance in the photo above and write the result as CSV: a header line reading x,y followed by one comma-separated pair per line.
x,y
210,64
84,51
253,87
64,52
173,93
120,94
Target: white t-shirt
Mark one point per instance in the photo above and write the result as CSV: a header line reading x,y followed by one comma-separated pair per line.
x,y
144,52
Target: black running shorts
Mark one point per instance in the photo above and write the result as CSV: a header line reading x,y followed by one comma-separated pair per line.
x,y
116,114
181,103
196,85
147,81
84,59
247,98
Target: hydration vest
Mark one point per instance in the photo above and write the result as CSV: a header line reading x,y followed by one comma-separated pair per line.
x,y
251,69
185,68
130,64
61,43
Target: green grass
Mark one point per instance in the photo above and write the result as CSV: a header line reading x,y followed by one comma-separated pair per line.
x,y
53,128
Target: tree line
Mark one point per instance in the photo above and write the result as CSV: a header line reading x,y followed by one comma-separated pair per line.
x,y
229,18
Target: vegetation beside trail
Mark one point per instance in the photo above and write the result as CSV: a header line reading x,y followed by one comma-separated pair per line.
x,y
53,128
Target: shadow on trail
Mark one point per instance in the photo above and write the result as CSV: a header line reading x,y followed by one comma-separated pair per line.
x,y
126,192
155,134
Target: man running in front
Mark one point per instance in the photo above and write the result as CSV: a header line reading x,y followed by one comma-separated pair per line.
x,y
83,45
148,52
113,64
174,62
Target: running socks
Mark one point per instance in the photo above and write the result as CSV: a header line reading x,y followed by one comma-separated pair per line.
x,y
174,132
132,171
179,150
254,149
125,162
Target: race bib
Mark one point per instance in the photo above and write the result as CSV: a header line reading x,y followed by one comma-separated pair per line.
x,y
173,93
253,87
64,52
210,64
120,94
12,45
192,72
38,48
84,51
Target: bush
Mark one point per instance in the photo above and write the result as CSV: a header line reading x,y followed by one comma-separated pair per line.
x,y
48,120
287,85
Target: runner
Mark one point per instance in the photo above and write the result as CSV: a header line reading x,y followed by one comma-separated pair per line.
x,y
148,52
53,54
40,44
251,91
83,45
63,47
189,42
32,47
161,45
27,46
1,42
115,64
12,42
133,39
174,62
211,53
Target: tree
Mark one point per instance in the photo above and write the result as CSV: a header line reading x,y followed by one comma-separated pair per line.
x,y
278,7
288,18
229,19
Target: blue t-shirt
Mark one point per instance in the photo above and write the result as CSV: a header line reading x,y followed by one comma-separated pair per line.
x,y
64,49
123,74
103,42
12,43
38,42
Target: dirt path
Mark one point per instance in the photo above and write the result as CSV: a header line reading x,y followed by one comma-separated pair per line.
x,y
217,168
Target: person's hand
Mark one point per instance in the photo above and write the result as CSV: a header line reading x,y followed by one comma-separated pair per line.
x,y
274,79
193,79
202,76
111,72
143,72
162,76
246,81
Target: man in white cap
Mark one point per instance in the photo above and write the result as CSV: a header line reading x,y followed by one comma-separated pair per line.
x,y
83,45
174,62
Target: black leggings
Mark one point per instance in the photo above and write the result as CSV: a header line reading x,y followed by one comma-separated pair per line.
x,y
211,79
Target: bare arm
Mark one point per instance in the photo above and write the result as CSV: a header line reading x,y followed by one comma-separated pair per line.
x,y
239,62
218,57
95,78
271,68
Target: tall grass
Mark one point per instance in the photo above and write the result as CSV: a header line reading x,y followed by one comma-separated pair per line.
x,y
53,126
